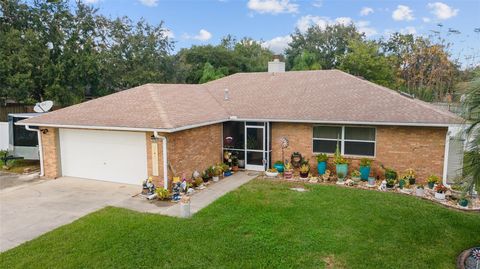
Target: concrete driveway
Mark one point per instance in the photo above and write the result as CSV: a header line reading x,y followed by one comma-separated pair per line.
x,y
30,210
9,180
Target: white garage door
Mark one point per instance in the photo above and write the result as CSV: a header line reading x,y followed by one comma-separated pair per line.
x,y
104,155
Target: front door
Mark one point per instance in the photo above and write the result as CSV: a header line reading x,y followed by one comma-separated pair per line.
x,y
255,148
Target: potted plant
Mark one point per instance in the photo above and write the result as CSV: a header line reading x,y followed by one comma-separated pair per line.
x,y
409,176
234,163
355,175
225,169
162,193
272,172
304,170
390,176
440,192
365,165
217,171
279,166
432,180
322,163
402,182
420,190
341,164
288,171
463,201
371,181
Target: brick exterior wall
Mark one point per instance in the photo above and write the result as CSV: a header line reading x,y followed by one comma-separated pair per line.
x,y
420,148
51,153
189,150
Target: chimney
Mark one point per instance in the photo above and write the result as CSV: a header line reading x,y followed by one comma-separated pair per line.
x,y
276,66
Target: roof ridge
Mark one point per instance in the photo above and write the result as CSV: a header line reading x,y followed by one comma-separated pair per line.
x,y
396,93
227,113
162,112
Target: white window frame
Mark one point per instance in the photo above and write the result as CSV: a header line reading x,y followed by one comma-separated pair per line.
x,y
342,140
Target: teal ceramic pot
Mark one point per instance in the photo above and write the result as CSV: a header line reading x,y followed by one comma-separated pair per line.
x,y
401,183
279,167
431,184
322,167
364,172
463,202
342,170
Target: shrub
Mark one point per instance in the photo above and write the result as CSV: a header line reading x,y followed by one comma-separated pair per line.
x,y
433,179
162,193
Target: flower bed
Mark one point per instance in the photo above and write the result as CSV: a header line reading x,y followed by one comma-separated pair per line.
x,y
429,194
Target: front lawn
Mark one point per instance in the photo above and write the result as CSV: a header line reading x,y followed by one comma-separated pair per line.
x,y
264,225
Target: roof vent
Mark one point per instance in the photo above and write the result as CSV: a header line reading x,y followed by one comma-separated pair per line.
x,y
276,66
225,95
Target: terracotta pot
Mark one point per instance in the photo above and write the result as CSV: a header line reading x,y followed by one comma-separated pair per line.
x,y
288,174
235,168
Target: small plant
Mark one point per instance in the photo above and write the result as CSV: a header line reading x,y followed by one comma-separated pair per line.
x,y
390,183
340,175
197,182
224,167
440,188
305,168
355,174
162,193
433,179
390,173
322,157
278,162
288,167
272,170
409,176
420,186
217,170
365,162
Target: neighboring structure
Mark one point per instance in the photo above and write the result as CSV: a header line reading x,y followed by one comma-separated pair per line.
x,y
161,129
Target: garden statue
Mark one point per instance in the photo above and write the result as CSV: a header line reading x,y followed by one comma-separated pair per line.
x,y
176,189
148,186
183,185
383,185
296,159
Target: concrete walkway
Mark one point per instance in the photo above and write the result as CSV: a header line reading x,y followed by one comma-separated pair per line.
x,y
30,210
198,201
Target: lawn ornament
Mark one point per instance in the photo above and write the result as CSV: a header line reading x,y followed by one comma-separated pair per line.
x,y
148,186
383,185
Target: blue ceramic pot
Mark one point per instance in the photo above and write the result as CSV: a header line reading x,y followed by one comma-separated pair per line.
x,y
279,167
321,166
364,172
342,170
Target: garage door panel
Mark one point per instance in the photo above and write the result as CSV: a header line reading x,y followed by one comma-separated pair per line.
x,y
104,155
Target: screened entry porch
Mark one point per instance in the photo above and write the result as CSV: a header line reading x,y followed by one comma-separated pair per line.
x,y
249,142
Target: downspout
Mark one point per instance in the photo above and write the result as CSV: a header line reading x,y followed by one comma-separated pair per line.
x,y
164,157
40,148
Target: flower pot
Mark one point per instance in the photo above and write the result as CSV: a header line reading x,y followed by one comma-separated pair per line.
x,y
235,168
356,179
431,184
321,167
371,181
227,173
215,178
463,202
401,183
271,174
420,192
304,175
279,167
205,179
241,163
288,174
342,170
411,181
364,172
440,195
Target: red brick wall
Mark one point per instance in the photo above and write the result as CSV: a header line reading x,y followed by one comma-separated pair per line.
x,y
420,148
189,150
51,153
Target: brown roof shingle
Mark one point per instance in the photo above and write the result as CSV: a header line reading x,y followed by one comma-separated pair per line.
x,y
317,96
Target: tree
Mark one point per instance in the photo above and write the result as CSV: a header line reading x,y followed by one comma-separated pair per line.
x,y
471,169
329,44
306,61
210,73
365,59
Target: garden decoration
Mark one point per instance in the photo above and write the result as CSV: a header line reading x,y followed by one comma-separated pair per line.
x,y
371,182
383,186
365,165
283,145
148,186
176,190
463,201
296,159
476,255
322,163
272,172
440,190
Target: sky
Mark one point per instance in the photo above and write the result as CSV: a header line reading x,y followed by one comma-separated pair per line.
x,y
199,22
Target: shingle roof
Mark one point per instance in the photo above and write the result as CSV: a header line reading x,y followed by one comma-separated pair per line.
x,y
313,96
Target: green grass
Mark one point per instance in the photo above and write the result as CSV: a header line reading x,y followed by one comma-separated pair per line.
x,y
264,225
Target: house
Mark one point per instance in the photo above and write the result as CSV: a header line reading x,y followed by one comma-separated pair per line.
x,y
163,129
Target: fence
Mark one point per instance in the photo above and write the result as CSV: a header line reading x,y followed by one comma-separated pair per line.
x,y
13,108
3,135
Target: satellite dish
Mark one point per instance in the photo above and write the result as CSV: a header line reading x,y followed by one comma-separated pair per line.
x,y
43,107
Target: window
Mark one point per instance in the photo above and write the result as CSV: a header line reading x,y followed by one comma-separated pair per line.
x,y
351,140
